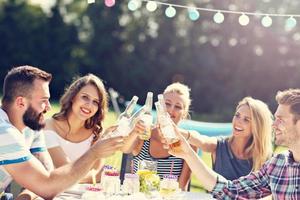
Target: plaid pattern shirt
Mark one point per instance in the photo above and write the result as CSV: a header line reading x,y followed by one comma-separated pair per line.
x,y
279,176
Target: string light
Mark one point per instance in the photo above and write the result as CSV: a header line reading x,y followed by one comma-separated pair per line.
x,y
134,5
218,18
170,11
290,23
244,20
266,21
109,3
193,13
151,6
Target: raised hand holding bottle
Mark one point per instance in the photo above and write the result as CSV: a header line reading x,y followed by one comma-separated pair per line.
x,y
166,123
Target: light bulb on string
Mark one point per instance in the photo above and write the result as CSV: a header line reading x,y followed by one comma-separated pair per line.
x,y
109,3
170,11
290,23
193,14
90,1
218,18
266,21
151,6
244,20
134,5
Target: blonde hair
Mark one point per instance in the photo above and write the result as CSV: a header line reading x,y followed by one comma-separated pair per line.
x,y
183,91
260,144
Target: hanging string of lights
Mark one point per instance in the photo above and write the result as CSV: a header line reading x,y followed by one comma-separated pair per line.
x,y
218,17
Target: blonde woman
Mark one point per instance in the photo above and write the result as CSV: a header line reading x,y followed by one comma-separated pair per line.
x,y
249,146
177,98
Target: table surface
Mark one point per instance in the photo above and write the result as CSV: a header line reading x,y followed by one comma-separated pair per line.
x,y
77,190
183,196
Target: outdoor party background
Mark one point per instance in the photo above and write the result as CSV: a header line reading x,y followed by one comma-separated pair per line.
x,y
135,51
139,51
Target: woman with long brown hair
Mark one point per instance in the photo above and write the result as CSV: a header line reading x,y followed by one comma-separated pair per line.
x,y
78,124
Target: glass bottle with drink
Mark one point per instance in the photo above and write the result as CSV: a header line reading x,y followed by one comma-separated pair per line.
x,y
147,117
166,123
124,126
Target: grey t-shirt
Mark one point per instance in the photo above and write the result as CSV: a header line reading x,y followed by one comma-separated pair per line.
x,y
227,164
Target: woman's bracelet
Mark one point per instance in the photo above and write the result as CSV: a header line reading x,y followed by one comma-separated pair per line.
x,y
188,136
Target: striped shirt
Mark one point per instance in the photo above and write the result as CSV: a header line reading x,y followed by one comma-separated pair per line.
x,y
164,165
279,176
16,147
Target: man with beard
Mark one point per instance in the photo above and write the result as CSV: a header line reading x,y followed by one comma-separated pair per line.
x,y
24,103
279,176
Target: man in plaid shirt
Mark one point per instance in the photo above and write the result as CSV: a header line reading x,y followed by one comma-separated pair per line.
x,y
279,176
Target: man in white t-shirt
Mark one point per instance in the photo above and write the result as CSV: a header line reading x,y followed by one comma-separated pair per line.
x,y
24,103
35,142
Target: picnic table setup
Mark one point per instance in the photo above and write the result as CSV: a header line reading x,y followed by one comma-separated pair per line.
x,y
145,184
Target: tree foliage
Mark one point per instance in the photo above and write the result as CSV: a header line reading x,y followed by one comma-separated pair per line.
x,y
136,52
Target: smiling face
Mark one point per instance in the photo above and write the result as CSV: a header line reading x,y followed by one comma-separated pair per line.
x,y
242,122
175,106
86,102
286,129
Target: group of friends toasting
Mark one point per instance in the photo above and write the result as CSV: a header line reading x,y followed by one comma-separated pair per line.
x,y
72,144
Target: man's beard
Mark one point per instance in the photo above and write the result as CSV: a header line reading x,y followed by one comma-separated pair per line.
x,y
32,118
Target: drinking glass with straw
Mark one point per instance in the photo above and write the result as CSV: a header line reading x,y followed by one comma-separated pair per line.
x,y
169,185
131,182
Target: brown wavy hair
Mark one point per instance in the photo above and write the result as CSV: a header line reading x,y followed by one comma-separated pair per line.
x,y
95,122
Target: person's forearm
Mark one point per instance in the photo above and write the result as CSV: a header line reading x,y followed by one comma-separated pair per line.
x,y
72,172
205,174
98,167
191,137
204,142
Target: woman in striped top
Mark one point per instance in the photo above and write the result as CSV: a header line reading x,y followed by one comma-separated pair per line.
x,y
177,98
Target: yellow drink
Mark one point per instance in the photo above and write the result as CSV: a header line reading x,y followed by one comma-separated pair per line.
x,y
146,135
164,192
149,181
169,186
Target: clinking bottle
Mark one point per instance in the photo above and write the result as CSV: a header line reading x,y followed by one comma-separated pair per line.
x,y
166,123
124,120
147,117
129,109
